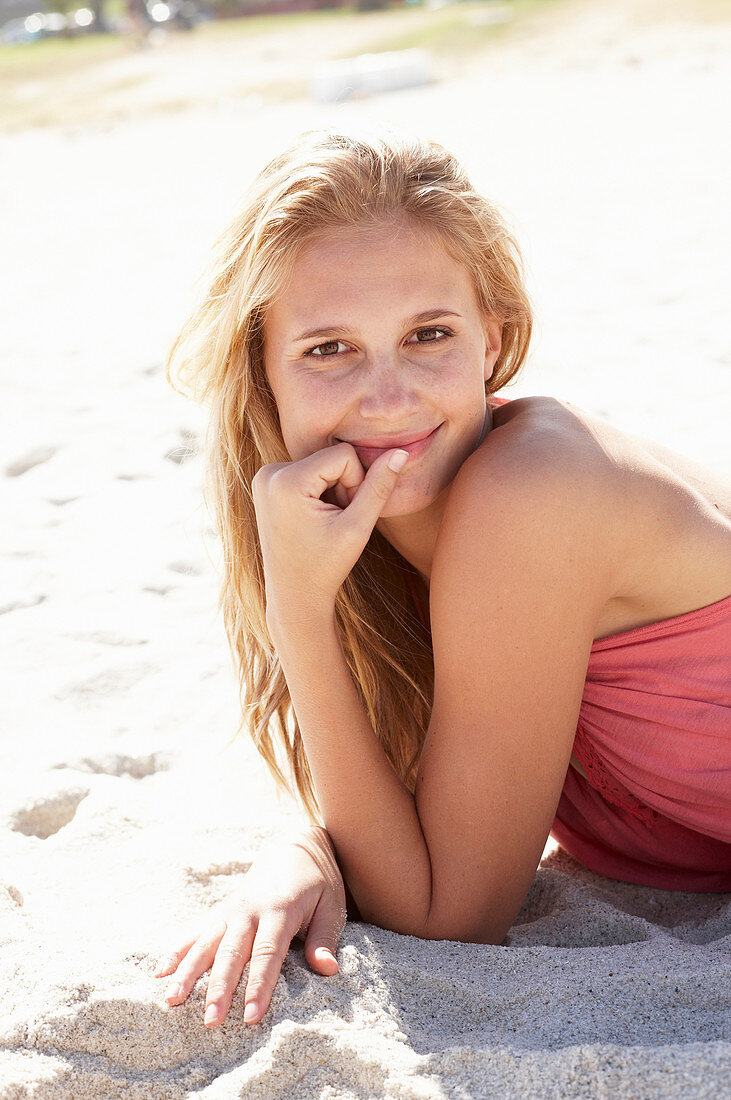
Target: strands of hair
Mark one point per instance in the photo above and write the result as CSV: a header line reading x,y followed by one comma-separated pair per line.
x,y
328,180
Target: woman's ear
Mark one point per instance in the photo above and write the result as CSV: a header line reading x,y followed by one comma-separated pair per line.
x,y
493,343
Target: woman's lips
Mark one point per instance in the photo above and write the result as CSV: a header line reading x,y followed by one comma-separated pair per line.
x,y
368,455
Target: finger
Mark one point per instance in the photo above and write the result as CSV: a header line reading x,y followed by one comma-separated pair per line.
x,y
323,936
195,963
232,956
324,469
167,963
271,944
341,495
377,486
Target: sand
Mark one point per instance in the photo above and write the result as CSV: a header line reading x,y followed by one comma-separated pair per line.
x,y
121,815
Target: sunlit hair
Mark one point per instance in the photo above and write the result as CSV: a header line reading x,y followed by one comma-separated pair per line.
x,y
328,180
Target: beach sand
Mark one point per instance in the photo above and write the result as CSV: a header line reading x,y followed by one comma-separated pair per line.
x,y
122,813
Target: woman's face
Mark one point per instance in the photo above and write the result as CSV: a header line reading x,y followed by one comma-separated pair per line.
x,y
378,340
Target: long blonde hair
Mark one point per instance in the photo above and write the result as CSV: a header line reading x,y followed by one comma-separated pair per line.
x,y
327,180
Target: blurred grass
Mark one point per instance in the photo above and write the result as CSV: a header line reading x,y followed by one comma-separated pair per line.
x,y
81,80
50,58
457,30
53,57
100,78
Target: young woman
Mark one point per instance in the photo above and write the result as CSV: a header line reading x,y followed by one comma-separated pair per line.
x,y
461,622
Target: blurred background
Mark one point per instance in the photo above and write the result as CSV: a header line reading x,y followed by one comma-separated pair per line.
x,y
129,129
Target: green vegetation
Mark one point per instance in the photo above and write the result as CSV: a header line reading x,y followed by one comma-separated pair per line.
x,y
99,78
455,30
55,57
443,30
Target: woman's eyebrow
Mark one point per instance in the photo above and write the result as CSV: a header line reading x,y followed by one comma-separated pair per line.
x,y
334,330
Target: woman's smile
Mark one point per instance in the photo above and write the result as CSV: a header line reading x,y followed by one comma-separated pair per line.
x,y
415,444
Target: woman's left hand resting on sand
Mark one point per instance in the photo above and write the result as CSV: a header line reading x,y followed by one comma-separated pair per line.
x,y
329,537
294,888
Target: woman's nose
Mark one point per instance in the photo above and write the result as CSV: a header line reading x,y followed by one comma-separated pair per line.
x,y
388,390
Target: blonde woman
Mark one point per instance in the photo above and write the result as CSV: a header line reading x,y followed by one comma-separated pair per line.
x,y
461,622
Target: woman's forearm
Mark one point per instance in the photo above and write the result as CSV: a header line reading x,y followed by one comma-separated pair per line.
x,y
369,813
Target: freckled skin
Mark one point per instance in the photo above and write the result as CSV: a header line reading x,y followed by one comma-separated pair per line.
x,y
373,372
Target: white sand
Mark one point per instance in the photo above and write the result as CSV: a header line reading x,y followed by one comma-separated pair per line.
x,y
120,816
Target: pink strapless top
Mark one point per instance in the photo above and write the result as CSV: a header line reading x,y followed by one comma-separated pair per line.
x,y
654,736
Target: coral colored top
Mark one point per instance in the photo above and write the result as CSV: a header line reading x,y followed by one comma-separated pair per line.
x,y
654,737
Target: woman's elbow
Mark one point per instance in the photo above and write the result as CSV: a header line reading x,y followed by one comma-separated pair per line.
x,y
464,933
487,928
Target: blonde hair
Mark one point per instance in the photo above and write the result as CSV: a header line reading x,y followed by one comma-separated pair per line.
x,y
325,181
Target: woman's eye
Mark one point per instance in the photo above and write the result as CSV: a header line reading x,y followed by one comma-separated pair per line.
x,y
429,335
329,348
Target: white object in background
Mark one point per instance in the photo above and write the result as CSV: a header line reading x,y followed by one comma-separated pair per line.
x,y
370,72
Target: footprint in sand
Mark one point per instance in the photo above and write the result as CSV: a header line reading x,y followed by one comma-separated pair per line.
x,y
45,816
11,894
21,604
106,682
185,568
13,917
119,764
30,459
186,449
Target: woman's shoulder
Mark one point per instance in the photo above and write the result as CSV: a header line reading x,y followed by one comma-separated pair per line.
x,y
545,446
547,424
542,478
655,526
581,451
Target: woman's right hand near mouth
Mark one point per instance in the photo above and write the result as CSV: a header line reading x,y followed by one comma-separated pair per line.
x,y
293,888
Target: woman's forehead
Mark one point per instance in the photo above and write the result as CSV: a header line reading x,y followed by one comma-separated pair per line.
x,y
352,271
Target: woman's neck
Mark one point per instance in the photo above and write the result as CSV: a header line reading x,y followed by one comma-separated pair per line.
x,y
415,537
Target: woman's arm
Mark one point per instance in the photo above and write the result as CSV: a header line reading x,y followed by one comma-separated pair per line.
x,y
370,815
521,572
524,563
309,547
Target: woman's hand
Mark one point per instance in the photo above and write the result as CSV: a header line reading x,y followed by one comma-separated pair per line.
x,y
309,545
292,889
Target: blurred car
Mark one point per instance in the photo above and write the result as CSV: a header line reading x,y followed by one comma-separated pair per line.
x,y
30,28
16,31
179,13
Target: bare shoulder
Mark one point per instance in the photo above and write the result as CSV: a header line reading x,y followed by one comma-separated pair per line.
x,y
546,465
541,495
658,525
564,435
548,437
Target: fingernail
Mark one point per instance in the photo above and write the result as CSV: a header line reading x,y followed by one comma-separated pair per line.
x,y
250,1012
397,461
211,1015
325,953
174,992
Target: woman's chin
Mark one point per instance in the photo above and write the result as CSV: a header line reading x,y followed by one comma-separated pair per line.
x,y
407,500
